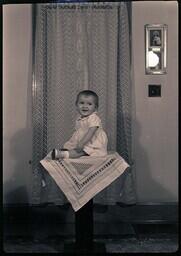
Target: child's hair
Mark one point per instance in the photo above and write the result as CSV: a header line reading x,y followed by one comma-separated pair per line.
x,y
155,33
88,93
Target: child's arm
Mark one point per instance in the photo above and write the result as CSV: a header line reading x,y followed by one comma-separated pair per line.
x,y
87,137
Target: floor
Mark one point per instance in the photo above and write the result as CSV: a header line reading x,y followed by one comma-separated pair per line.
x,y
47,229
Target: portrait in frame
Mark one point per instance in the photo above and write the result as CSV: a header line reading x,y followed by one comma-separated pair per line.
x,y
156,48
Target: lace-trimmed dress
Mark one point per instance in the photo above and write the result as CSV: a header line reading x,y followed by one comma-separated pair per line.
x,y
98,144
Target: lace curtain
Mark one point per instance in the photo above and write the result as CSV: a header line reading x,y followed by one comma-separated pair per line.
x,y
81,46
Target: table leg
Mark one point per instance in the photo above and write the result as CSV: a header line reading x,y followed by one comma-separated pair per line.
x,y
84,232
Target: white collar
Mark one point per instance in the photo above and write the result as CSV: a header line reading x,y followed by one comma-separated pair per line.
x,y
83,118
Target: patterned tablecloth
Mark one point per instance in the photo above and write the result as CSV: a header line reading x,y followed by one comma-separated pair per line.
x,y
82,178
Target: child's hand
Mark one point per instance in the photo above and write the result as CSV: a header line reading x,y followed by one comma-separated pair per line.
x,y
79,147
78,150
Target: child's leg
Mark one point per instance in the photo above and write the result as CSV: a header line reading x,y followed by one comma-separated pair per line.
x,y
74,154
56,154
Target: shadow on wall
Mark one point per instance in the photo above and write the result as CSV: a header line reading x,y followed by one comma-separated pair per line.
x,y
16,188
146,183
19,152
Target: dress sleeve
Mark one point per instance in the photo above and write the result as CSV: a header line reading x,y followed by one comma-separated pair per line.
x,y
94,120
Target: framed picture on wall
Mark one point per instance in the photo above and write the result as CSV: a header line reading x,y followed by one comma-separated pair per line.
x,y
156,48
155,37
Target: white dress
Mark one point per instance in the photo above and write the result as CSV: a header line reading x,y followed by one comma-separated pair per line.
x,y
98,144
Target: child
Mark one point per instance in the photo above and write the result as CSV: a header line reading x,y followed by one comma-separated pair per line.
x,y
156,41
89,137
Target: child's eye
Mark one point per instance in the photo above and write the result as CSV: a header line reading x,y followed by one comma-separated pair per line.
x,y
90,104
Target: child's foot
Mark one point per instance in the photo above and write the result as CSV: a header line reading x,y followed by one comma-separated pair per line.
x,y
54,154
57,154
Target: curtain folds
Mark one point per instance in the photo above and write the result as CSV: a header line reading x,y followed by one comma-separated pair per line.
x,y
83,46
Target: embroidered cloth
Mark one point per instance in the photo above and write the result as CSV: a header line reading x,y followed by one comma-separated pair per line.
x,y
82,178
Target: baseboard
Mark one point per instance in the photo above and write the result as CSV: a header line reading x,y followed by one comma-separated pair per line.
x,y
147,213
6,205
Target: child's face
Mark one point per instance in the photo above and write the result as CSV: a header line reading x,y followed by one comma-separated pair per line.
x,y
86,105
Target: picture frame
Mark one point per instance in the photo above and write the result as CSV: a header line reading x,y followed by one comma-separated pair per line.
x,y
156,48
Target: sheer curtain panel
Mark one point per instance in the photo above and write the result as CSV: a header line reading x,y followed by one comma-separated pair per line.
x,y
81,46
